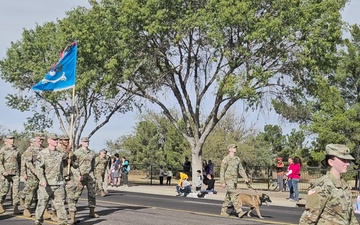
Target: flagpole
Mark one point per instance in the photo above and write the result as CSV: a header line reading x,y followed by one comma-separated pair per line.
x,y
71,130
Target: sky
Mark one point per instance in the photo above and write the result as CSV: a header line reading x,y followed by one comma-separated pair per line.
x,y
15,15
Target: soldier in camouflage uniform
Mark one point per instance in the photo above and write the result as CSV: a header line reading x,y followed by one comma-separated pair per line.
x,y
101,162
72,182
230,168
28,172
329,198
10,163
49,168
85,159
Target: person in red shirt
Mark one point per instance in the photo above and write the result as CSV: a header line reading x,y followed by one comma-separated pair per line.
x,y
295,177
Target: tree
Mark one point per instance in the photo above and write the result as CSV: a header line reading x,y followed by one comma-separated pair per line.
x,y
331,111
207,55
28,59
154,142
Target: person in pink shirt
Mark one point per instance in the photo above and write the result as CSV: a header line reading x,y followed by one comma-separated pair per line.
x,y
288,178
294,175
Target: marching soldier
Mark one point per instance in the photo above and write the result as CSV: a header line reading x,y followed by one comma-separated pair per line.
x,y
10,163
101,162
85,160
329,199
28,172
230,168
49,168
72,182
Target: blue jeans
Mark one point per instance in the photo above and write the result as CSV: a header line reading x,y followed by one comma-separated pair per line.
x,y
291,189
295,184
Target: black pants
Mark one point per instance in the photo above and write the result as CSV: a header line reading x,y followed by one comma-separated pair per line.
x,y
168,180
161,178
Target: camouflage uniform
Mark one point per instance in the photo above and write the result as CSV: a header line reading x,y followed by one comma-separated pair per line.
x,y
230,168
100,168
10,162
72,181
85,159
49,166
329,199
29,193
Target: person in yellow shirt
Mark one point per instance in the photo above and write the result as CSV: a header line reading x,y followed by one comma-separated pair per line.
x,y
183,186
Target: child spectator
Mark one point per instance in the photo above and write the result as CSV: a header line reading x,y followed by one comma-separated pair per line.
x,y
169,175
198,181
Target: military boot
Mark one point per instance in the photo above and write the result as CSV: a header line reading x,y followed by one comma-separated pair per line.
x,y
224,214
46,215
16,210
26,213
92,213
103,193
73,220
54,216
2,210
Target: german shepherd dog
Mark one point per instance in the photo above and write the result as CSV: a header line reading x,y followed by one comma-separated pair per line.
x,y
252,201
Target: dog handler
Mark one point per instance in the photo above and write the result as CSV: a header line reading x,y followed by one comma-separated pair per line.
x,y
329,198
230,168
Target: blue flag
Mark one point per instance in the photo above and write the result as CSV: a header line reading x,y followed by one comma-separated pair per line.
x,y
61,76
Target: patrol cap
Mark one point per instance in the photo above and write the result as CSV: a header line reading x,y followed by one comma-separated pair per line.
x,y
231,146
84,139
64,137
103,150
338,150
53,136
40,135
32,140
9,136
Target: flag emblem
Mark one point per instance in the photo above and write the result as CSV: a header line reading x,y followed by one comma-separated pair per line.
x,y
63,74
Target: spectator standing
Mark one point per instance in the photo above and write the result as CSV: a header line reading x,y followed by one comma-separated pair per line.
x,y
295,177
117,171
280,173
187,167
210,166
161,175
329,199
288,173
169,175
198,180
204,167
111,178
125,171
357,204
230,168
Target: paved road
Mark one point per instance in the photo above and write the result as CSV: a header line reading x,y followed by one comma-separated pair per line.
x,y
122,207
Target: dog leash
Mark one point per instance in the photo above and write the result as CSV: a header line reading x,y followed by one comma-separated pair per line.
x,y
249,186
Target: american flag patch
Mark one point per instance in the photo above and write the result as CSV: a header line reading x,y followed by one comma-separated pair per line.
x,y
312,191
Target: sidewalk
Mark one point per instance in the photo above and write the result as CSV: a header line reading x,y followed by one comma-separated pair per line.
x,y
277,198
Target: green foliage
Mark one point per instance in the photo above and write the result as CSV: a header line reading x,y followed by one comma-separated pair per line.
x,y
154,142
97,97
